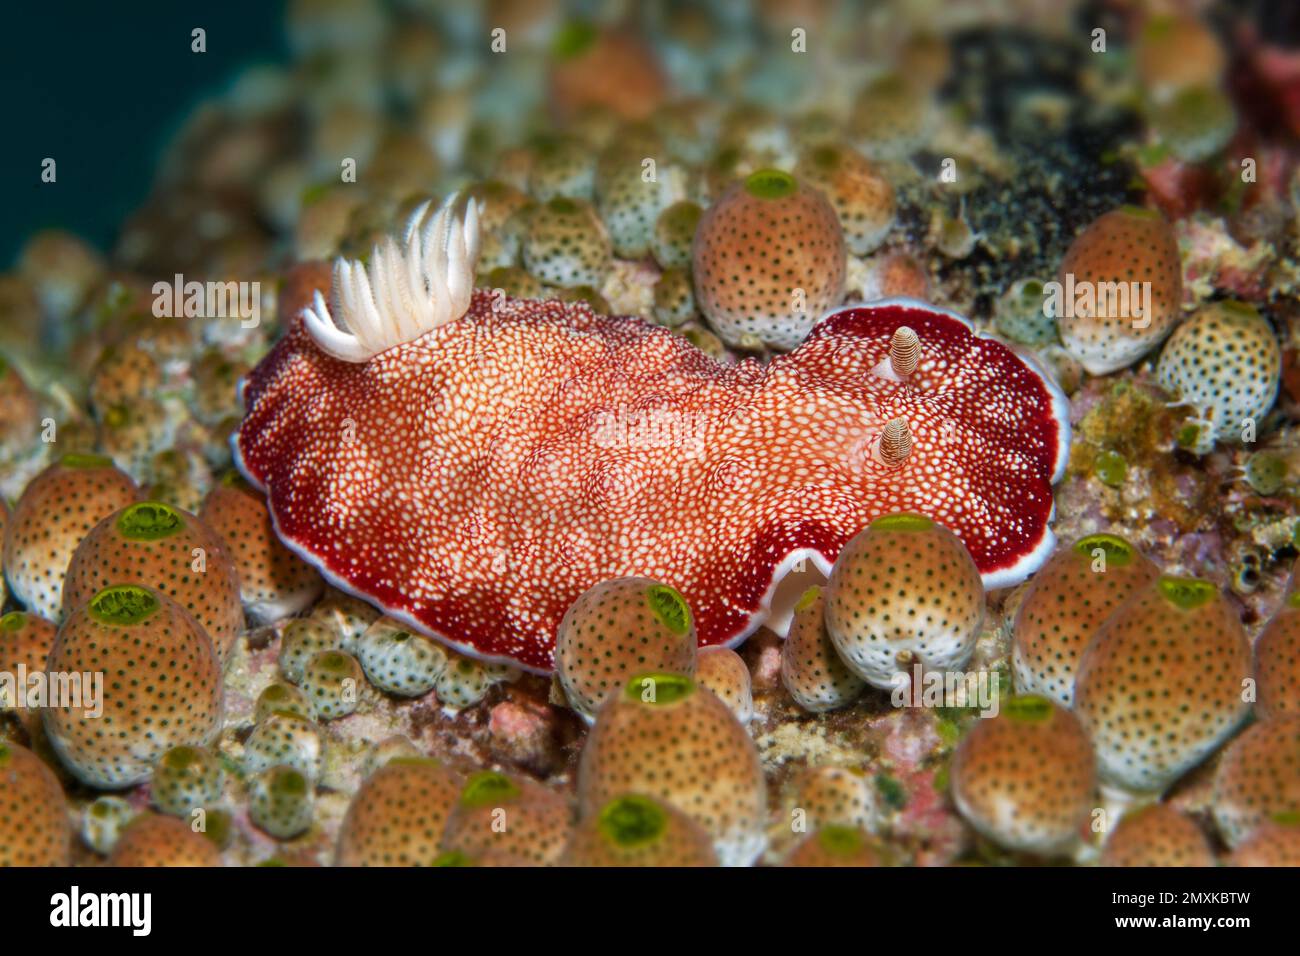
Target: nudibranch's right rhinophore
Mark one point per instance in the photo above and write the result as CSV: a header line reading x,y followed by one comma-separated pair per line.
x,y
473,465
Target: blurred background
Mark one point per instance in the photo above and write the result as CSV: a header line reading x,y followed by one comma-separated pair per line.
x,y
228,161
101,87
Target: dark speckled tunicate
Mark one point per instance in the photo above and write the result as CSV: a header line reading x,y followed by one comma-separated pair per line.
x,y
1025,778
616,629
161,685
1163,682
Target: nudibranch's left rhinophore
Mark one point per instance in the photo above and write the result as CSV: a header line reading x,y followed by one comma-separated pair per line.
x,y
473,464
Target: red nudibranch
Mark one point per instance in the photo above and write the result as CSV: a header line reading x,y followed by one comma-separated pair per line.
x,y
473,473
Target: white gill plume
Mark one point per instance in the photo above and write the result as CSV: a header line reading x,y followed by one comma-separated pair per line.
x,y
405,290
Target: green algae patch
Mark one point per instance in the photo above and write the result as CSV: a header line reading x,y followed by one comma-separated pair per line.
x,y
770,184
632,821
1111,468
659,687
149,521
488,788
123,605
1117,551
670,608
1187,593
1188,436
1135,421
903,521
891,791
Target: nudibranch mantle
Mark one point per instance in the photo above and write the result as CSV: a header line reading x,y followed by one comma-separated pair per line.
x,y
474,480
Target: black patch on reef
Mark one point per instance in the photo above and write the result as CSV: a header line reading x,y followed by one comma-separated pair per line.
x,y
1278,21
1063,175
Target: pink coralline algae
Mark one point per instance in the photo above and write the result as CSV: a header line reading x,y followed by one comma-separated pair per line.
x,y
473,481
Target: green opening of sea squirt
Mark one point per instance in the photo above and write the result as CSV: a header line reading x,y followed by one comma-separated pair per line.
x,y
288,782
659,687
1139,212
149,521
1187,593
276,693
1266,473
839,840
1117,551
217,827
632,821
233,479
415,761
488,788
683,216
573,38
808,597
123,605
13,621
333,662
85,460
180,758
903,521
826,158
1242,309
770,184
453,858
1028,709
670,607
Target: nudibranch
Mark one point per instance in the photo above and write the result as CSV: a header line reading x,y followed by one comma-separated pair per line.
x,y
471,463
